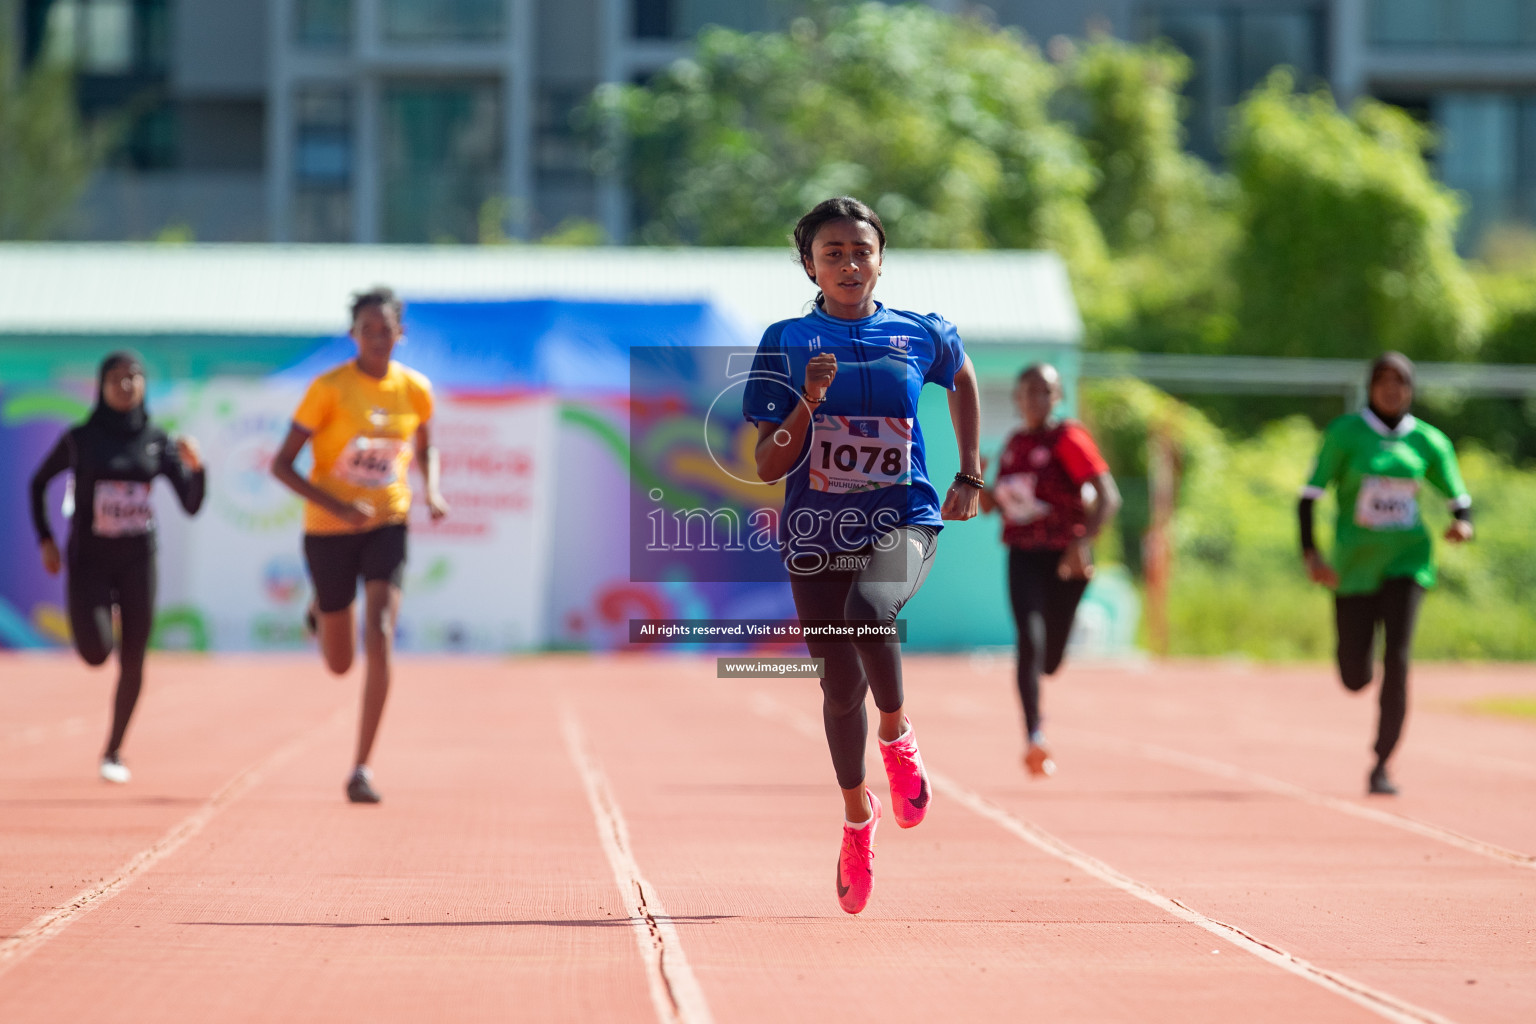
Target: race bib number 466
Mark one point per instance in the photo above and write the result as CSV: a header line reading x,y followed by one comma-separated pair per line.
x,y
120,508
373,461
860,453
1387,503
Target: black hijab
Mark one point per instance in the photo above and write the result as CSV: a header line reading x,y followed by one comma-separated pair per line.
x,y
1403,367
103,416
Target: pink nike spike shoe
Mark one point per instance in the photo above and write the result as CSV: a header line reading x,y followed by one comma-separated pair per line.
x,y
910,788
855,867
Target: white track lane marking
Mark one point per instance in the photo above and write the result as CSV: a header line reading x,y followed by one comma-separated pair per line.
x,y
675,992
1380,1003
26,941
1234,773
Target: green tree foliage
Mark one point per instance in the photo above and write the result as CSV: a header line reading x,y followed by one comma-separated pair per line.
x,y
1237,584
1347,240
47,156
1327,236
1166,215
940,122
1149,191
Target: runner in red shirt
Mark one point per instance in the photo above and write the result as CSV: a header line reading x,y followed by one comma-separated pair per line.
x,y
1045,467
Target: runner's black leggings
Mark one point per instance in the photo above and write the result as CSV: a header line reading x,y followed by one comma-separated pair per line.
x,y
1044,606
103,574
1395,606
874,592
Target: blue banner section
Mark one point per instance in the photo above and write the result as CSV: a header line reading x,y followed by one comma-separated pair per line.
x,y
569,347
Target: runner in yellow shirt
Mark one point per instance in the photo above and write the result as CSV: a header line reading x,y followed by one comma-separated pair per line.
x,y
365,420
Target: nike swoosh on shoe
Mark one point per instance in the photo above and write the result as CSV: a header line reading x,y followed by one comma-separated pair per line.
x,y
921,800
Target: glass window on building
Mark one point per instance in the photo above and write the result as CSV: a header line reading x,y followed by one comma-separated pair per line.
x,y
682,19
442,159
1452,23
120,50
117,38
1232,49
1209,90
1487,153
653,19
323,157
741,15
1486,22
1267,40
323,24
1405,22
448,21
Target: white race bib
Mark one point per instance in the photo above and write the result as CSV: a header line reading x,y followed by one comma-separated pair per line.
x,y
1387,503
121,508
373,461
860,453
1015,494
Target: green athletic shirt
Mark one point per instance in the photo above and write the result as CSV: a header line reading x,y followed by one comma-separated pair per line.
x,y
1378,472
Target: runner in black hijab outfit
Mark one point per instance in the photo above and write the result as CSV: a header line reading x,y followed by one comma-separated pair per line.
x,y
115,456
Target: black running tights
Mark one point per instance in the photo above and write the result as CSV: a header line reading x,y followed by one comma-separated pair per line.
x,y
1044,606
869,585
1395,607
121,574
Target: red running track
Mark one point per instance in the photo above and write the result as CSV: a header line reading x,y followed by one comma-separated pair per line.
x,y
632,839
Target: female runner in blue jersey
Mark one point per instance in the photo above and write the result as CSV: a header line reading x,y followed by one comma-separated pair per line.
x,y
834,397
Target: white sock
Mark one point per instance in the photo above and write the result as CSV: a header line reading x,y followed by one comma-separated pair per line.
x,y
905,733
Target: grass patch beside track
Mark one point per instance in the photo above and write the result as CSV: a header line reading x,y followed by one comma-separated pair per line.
x,y
1504,707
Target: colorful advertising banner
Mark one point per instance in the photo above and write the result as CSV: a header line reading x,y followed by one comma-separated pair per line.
x,y
474,581
233,578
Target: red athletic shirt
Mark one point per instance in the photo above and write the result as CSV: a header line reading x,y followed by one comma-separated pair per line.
x,y
1039,487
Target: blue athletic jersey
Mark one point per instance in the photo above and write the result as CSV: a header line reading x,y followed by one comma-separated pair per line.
x,y
862,471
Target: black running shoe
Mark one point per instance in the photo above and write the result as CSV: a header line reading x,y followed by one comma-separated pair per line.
x,y
1380,784
360,787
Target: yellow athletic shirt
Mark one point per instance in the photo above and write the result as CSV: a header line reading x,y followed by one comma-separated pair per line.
x,y
363,432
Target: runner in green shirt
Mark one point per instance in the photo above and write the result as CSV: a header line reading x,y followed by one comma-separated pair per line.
x,y
1378,459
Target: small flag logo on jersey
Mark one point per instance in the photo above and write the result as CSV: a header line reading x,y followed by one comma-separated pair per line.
x,y
864,428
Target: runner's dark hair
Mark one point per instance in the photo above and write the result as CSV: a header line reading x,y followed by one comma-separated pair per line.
x,y
380,296
1041,369
823,213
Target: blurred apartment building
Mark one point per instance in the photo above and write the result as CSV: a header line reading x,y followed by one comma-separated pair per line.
x,y
436,120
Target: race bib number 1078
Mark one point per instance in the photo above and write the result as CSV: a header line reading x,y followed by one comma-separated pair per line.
x,y
860,453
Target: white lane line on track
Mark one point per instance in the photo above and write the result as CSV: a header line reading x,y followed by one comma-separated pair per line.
x,y
1383,1005
1234,773
675,992
26,941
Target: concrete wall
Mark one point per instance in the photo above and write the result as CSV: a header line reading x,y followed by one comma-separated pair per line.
x,y
218,206
219,48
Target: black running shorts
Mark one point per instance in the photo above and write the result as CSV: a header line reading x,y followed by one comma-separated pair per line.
x,y
336,560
